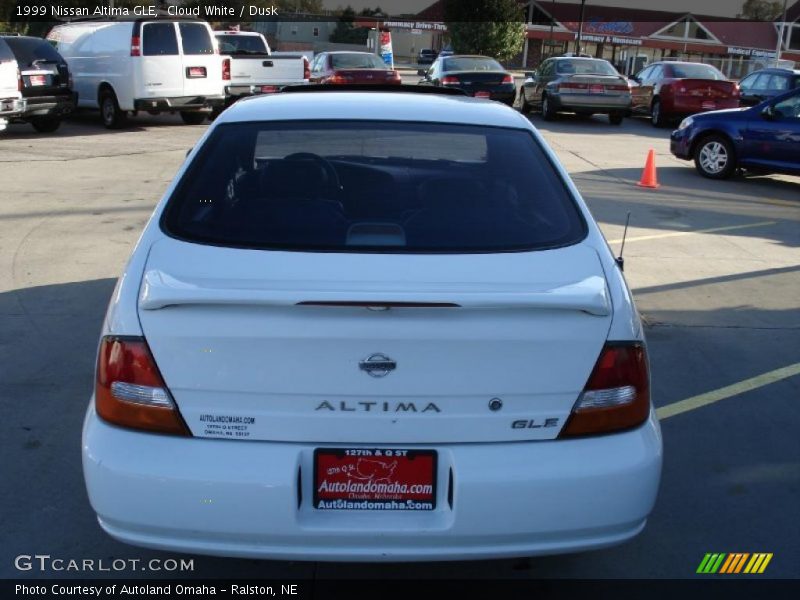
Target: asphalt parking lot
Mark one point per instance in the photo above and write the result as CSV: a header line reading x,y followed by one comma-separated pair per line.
x,y
714,267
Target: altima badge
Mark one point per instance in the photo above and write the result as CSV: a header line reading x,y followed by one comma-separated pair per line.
x,y
377,365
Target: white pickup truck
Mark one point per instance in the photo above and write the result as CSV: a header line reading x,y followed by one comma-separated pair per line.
x,y
11,102
253,69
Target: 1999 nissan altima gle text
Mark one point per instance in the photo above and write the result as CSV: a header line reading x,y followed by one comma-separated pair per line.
x,y
389,331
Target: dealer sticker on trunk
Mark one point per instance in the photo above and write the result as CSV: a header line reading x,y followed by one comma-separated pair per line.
x,y
374,479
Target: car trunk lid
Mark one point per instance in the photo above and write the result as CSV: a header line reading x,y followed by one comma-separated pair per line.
x,y
374,348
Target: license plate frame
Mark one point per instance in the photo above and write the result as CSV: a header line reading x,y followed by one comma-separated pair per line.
x,y
597,88
37,80
364,479
482,94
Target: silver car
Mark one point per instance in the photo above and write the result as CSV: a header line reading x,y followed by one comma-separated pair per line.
x,y
576,84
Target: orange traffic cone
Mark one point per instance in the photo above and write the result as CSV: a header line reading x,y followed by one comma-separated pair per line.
x,y
649,179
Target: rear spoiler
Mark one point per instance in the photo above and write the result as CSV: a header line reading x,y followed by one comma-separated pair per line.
x,y
161,290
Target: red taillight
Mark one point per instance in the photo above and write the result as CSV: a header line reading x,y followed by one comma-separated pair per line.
x,y
508,78
226,69
619,88
306,69
136,47
336,78
393,77
130,391
450,80
617,395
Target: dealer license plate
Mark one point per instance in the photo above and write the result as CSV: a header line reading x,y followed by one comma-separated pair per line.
x,y
374,479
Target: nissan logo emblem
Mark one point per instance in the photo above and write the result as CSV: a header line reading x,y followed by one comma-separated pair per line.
x,y
377,365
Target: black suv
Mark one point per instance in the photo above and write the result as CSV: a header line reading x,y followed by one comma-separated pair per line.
x,y
46,84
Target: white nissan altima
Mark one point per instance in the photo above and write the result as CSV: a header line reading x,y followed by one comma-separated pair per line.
x,y
368,326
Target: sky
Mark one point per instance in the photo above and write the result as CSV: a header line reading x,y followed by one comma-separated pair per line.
x,y
722,8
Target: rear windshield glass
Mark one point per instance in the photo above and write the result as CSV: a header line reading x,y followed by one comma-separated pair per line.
x,y
241,44
468,63
353,186
28,50
356,61
196,39
696,71
159,40
585,67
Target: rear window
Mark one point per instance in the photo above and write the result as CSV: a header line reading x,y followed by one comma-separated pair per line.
x,y
585,67
696,71
356,61
27,50
195,38
241,44
356,186
469,63
159,39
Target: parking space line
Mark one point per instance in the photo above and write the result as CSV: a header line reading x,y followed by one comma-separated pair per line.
x,y
682,406
657,236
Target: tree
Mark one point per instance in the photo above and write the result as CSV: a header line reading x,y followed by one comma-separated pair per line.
x,y
346,32
494,28
761,10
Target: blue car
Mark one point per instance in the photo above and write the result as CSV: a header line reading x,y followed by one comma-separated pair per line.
x,y
764,138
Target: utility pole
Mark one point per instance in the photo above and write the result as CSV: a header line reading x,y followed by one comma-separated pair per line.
x,y
580,29
780,35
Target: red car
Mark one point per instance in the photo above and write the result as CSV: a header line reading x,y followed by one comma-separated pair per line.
x,y
668,91
352,67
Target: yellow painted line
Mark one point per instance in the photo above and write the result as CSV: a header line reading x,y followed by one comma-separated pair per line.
x,y
765,563
676,408
756,558
658,236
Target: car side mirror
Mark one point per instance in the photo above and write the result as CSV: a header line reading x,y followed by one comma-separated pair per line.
x,y
530,75
768,112
422,72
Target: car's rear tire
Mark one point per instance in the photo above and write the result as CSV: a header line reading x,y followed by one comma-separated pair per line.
x,y
615,118
715,157
548,112
45,124
113,117
193,117
657,115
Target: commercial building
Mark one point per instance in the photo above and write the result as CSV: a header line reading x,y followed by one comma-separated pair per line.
x,y
630,37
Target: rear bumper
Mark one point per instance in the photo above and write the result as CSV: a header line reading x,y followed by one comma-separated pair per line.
x,y
240,91
591,102
50,106
235,498
12,107
179,103
683,105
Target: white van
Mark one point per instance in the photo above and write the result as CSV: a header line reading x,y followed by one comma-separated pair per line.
x,y
11,102
155,66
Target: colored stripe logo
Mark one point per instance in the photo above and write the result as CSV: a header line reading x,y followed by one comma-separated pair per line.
x,y
733,563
